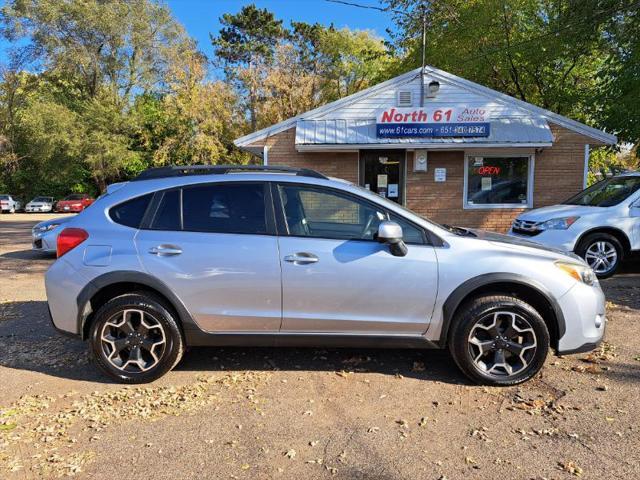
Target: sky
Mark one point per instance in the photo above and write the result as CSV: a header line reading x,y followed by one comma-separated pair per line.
x,y
201,17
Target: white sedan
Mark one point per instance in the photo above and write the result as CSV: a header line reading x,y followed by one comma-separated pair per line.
x,y
40,204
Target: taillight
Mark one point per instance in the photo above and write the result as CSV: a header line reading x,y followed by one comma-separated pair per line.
x,y
70,238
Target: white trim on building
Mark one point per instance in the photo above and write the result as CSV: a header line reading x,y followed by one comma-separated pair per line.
x,y
454,90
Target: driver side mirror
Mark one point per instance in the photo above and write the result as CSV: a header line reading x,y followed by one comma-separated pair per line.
x,y
391,234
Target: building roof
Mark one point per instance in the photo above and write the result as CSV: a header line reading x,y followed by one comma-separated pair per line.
x,y
351,116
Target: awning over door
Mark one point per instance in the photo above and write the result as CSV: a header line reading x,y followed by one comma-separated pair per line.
x,y
361,133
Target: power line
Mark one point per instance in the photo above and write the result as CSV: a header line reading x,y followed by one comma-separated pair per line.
x,y
499,49
370,7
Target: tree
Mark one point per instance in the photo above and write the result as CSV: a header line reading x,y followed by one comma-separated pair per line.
x,y
246,40
617,102
120,45
352,61
544,52
200,119
69,124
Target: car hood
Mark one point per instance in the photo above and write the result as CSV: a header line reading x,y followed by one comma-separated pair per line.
x,y
53,221
38,204
69,202
518,242
558,211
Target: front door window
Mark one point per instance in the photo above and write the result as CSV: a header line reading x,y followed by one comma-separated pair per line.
x,y
382,172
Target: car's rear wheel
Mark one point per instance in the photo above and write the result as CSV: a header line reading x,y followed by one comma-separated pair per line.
x,y
603,252
135,338
499,340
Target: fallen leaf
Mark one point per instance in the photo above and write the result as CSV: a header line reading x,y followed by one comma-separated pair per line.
x,y
418,367
571,468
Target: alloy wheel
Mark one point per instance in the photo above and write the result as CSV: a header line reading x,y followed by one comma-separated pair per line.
x,y
601,256
502,343
133,341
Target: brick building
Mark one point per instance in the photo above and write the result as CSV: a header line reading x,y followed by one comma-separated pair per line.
x,y
464,155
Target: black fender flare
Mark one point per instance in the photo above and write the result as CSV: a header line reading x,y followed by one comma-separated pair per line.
x,y
130,276
456,297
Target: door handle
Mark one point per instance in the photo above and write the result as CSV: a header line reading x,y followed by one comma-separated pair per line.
x,y
165,250
301,258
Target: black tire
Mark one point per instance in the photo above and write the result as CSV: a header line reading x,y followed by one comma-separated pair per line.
x,y
592,239
481,310
160,314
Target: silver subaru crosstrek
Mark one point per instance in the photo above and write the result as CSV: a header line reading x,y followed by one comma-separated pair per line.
x,y
274,256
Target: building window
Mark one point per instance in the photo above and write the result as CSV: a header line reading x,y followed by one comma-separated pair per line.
x,y
498,181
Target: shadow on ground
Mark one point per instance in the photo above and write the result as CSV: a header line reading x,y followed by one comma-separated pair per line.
x,y
28,341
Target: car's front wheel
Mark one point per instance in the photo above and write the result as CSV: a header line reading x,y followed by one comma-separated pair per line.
x,y
135,338
499,340
603,252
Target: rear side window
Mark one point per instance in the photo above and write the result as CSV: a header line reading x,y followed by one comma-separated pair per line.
x,y
167,216
225,208
130,213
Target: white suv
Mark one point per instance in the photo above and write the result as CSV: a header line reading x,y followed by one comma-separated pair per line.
x,y
601,223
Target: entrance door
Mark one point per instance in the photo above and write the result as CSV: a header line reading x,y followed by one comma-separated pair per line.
x,y
382,172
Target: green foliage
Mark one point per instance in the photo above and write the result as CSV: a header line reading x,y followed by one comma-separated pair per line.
x,y
117,87
618,98
576,58
296,69
96,91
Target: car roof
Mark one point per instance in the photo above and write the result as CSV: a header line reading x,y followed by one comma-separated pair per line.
x,y
629,174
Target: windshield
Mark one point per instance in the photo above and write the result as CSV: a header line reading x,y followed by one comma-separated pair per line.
x,y
74,197
606,193
42,199
4,197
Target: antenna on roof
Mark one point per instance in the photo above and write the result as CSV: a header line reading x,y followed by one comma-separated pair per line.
x,y
424,48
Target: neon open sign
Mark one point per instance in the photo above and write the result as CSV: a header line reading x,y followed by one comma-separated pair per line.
x,y
488,170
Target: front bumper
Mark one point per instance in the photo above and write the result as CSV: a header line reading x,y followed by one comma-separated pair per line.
x,y
560,239
68,209
585,319
38,209
44,242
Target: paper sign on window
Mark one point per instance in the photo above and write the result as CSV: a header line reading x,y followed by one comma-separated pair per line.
x,y
382,181
486,183
392,191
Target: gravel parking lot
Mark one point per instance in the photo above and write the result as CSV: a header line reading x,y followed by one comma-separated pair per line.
x,y
296,413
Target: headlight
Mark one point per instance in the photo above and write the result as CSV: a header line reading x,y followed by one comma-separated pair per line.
x,y
581,273
46,228
558,223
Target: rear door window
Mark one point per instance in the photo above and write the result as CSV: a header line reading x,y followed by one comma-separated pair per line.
x,y
225,208
167,215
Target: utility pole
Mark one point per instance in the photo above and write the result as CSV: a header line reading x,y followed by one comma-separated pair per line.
x,y
424,48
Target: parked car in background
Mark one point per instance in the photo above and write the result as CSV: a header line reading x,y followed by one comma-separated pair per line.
x,y
45,234
75,202
39,204
10,204
601,223
241,255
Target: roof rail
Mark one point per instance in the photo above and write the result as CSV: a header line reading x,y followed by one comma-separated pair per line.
x,y
179,171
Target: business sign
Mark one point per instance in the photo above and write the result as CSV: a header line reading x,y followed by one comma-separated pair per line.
x,y
397,122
